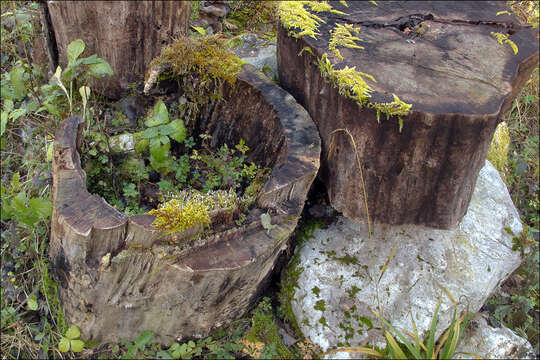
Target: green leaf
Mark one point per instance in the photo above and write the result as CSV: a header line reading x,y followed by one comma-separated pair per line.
x,y
178,130
431,337
150,133
17,113
160,116
199,29
42,207
101,69
3,122
77,345
63,346
73,332
74,49
17,81
144,339
160,152
32,303
396,350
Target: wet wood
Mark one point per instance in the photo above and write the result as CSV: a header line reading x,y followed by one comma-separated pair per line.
x,y
459,80
128,34
119,277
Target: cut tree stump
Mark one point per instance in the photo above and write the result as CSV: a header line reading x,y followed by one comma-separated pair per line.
x,y
118,278
128,34
458,78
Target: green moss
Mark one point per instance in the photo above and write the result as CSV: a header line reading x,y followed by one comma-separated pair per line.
x,y
201,66
315,290
289,277
353,291
264,329
322,321
320,305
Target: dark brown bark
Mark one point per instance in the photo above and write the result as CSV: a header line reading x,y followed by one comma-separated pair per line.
x,y
458,79
118,279
128,34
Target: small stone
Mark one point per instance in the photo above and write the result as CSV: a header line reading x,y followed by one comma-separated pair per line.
x,y
489,342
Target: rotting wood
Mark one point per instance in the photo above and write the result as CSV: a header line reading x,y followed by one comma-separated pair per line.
x,y
117,279
458,78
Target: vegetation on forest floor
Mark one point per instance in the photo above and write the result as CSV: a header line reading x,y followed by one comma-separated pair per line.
x,y
34,103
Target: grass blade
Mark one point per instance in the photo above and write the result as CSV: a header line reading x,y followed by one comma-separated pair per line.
x,y
431,336
388,261
401,337
353,349
394,347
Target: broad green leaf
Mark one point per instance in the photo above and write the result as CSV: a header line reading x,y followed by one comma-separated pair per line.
x,y
92,59
160,116
150,133
63,346
17,113
101,69
163,355
178,130
73,332
160,152
74,49
17,81
51,109
42,207
32,303
3,122
77,345
199,29
144,339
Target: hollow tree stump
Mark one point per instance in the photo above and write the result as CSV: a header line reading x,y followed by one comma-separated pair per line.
x,y
117,278
458,78
128,34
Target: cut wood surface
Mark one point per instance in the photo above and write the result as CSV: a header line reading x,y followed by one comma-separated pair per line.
x,y
117,278
128,34
458,78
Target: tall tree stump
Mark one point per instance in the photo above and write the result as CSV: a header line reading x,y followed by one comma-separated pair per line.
x,y
128,34
118,278
440,57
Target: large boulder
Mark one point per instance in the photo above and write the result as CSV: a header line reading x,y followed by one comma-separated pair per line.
x,y
341,276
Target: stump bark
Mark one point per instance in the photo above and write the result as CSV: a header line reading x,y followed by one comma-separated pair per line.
x,y
458,78
128,34
118,278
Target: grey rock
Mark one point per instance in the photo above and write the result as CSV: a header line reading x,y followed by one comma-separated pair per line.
x,y
489,342
468,263
258,52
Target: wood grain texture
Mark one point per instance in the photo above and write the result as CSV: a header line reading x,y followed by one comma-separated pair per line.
x,y
118,279
128,34
459,80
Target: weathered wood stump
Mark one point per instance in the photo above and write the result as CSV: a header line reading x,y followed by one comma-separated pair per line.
x,y
128,34
117,279
438,56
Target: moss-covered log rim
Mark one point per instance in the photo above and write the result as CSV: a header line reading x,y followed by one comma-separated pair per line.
x,y
281,196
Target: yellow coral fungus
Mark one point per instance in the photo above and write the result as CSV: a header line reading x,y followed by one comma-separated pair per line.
x,y
341,36
293,14
176,216
504,38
